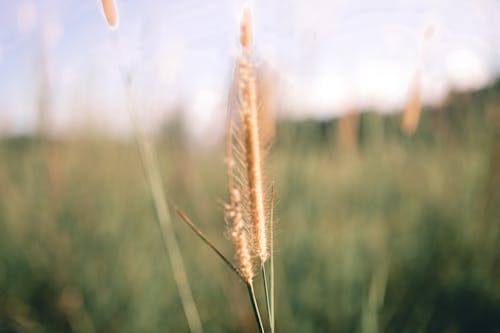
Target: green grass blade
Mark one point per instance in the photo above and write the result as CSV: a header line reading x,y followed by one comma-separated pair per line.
x,y
266,290
200,234
255,307
150,166
271,262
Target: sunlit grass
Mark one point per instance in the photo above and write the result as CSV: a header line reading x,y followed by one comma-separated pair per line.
x,y
389,236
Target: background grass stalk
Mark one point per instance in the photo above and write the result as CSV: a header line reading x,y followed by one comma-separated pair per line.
x,y
150,166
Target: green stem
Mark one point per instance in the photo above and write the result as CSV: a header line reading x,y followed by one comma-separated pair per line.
x,y
271,262
266,289
255,307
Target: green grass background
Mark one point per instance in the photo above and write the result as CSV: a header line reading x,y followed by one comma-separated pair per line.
x,y
400,235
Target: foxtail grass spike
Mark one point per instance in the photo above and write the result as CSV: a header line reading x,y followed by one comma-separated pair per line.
x,y
110,13
411,115
246,152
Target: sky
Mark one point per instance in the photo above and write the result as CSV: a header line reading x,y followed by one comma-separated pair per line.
x,y
328,57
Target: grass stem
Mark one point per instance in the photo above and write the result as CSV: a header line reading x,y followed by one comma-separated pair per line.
x,y
150,165
266,290
271,261
255,307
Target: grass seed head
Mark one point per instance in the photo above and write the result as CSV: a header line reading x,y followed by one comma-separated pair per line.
x,y
110,12
246,37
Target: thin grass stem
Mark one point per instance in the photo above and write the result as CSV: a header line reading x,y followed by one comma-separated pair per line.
x,y
255,307
271,261
266,290
150,166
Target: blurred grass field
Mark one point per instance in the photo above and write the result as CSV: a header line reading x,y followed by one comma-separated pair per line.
x,y
398,235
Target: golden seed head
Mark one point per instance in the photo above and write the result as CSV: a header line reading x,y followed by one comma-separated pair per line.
x,y
110,12
411,115
252,141
246,37
244,256
235,195
247,209
240,236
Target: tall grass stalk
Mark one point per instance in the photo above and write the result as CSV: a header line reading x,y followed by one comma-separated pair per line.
x,y
246,149
150,165
413,108
248,216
